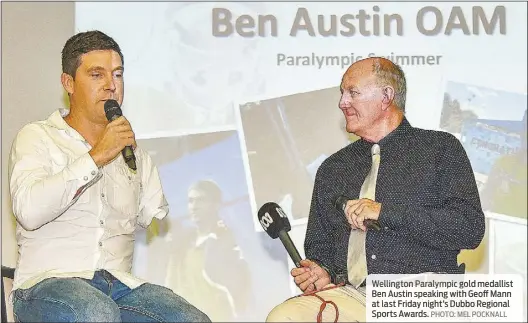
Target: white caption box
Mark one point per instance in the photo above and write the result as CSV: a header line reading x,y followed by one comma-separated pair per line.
x,y
446,298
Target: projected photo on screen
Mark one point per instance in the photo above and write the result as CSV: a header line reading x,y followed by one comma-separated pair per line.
x,y
179,77
491,125
287,138
207,250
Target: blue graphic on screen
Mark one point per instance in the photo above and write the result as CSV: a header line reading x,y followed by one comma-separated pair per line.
x,y
487,140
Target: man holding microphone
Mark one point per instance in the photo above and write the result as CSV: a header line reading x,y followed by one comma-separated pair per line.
x,y
412,203
78,203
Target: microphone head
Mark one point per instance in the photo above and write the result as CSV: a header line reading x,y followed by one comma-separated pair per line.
x,y
273,219
340,202
112,110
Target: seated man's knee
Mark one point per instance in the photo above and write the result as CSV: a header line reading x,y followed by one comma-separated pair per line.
x,y
97,308
64,300
107,311
170,306
282,313
62,310
192,314
189,313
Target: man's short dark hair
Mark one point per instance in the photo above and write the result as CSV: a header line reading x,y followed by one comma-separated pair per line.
x,y
83,43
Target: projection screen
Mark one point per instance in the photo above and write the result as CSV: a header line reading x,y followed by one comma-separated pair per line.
x,y
239,100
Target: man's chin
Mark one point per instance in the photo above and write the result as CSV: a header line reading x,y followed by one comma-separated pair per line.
x,y
351,128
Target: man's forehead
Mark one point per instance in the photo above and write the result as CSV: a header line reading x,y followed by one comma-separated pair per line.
x,y
97,57
357,75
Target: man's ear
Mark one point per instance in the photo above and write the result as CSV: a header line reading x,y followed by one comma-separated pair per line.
x,y
388,96
67,82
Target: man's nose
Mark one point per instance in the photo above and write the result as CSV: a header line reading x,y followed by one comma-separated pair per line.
x,y
344,102
110,84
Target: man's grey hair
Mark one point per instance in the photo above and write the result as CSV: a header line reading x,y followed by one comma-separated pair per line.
x,y
389,73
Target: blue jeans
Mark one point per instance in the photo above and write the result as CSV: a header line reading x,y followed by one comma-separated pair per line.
x,y
101,299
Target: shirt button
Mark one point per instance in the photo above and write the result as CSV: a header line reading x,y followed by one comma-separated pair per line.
x,y
100,244
85,178
93,172
373,257
101,222
102,195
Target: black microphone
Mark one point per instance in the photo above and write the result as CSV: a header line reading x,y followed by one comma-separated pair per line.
x,y
340,204
275,222
113,111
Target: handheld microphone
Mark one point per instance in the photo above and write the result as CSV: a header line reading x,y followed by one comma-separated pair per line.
x,y
275,222
340,204
113,111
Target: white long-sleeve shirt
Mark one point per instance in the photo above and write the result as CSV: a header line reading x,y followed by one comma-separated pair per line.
x,y
74,218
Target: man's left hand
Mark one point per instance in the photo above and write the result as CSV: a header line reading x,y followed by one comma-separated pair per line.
x,y
357,211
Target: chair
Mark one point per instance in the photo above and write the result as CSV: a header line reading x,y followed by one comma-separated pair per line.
x,y
7,285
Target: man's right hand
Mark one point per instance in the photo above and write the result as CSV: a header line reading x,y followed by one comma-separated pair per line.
x,y
117,135
310,276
